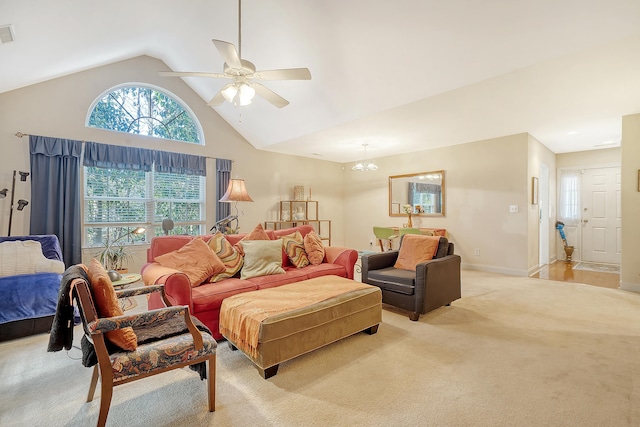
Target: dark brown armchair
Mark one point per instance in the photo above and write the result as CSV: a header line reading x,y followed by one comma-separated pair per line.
x,y
435,283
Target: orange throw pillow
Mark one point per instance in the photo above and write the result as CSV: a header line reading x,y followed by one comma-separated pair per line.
x,y
257,233
107,305
314,248
415,249
195,259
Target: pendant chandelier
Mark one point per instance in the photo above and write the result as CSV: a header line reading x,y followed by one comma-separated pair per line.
x,y
364,165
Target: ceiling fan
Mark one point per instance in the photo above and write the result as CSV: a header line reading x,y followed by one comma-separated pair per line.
x,y
244,87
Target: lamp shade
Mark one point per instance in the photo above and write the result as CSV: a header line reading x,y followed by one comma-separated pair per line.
x,y
236,192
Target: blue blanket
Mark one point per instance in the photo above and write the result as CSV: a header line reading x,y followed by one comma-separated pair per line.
x,y
28,296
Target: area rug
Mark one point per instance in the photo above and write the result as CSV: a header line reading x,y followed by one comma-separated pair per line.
x,y
602,268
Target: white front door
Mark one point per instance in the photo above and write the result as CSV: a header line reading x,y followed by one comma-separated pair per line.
x,y
601,229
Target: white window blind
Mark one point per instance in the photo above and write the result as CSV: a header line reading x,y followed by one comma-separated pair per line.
x,y
117,201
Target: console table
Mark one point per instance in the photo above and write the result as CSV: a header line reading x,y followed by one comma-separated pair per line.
x,y
435,231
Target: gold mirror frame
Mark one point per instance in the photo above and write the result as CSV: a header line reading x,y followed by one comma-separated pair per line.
x,y
432,200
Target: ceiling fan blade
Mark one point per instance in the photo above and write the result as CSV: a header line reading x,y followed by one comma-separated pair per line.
x,y
283,74
216,100
270,95
228,53
193,74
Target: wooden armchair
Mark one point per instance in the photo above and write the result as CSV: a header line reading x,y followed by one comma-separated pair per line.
x,y
191,347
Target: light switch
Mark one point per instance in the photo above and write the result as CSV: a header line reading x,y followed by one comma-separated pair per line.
x,y
513,208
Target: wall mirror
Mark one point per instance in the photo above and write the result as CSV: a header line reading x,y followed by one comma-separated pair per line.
x,y
423,191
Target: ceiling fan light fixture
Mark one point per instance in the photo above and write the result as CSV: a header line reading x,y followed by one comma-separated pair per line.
x,y
239,94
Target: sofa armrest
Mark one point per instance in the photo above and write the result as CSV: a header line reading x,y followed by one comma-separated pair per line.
x,y
376,262
345,257
440,279
177,287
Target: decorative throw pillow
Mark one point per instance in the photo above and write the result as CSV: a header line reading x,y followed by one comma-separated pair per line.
x,y
261,258
107,305
257,233
294,247
195,259
415,249
314,248
229,256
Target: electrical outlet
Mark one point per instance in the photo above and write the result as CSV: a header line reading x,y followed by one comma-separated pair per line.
x,y
513,208
476,251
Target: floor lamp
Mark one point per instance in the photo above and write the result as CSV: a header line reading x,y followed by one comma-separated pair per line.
x,y
21,203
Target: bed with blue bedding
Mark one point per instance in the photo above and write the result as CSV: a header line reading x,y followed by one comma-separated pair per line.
x,y
28,301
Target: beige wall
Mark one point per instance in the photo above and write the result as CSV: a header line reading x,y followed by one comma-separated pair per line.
x,y
59,108
630,265
481,180
592,158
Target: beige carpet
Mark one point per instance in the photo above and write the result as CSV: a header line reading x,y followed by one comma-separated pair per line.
x,y
511,352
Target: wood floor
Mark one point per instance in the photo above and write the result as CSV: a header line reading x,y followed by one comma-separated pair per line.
x,y
564,272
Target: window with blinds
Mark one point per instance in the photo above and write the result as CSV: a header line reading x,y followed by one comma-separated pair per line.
x,y
118,201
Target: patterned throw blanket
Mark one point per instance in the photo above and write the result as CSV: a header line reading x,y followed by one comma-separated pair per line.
x,y
241,315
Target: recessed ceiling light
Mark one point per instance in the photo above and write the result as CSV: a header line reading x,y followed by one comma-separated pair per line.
x,y
573,132
6,34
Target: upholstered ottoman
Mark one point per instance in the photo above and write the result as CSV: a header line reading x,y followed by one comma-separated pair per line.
x,y
274,325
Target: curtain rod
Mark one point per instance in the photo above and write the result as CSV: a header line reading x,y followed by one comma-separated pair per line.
x,y
20,135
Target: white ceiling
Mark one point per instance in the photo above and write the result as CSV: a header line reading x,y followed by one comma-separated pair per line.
x,y
402,76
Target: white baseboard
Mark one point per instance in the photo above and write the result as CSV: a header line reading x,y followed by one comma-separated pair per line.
x,y
498,270
632,287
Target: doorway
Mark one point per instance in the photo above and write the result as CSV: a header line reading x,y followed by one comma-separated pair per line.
x,y
601,218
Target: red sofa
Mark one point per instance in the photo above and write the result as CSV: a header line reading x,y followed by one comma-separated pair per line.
x,y
204,300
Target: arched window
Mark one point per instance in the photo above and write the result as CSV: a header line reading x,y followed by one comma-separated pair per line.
x,y
117,201
145,110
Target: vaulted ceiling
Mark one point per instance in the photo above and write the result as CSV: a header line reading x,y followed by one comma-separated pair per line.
x,y
401,76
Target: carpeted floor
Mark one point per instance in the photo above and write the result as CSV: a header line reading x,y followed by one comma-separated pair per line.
x,y
592,266
512,352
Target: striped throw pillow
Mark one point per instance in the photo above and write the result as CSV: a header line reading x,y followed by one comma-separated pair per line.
x,y
294,247
229,256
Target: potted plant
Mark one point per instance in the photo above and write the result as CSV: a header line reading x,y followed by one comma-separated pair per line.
x,y
115,255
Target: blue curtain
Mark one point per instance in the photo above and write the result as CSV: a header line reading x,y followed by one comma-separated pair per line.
x,y
132,158
185,164
117,157
55,193
223,176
